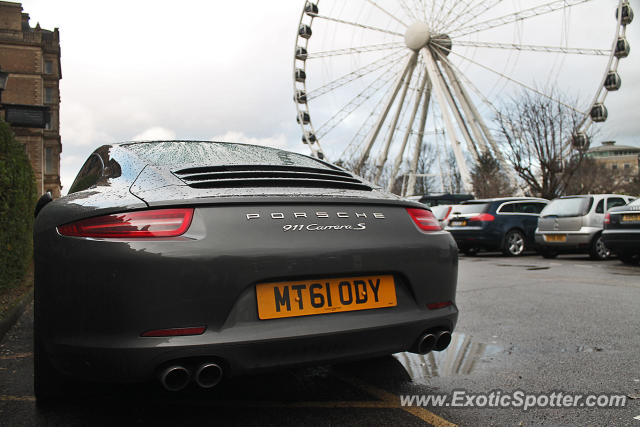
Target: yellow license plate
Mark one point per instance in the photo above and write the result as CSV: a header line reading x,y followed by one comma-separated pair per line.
x,y
458,223
631,218
323,296
555,237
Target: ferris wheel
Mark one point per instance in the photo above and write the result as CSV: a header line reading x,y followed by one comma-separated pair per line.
x,y
378,82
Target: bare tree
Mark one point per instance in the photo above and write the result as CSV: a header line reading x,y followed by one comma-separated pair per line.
x,y
488,178
425,181
452,180
537,132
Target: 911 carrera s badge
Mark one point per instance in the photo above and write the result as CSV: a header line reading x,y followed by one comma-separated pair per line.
x,y
318,227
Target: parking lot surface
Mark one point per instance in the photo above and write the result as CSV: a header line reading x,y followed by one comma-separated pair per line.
x,y
565,325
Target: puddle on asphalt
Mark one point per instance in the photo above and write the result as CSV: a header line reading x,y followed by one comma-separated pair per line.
x,y
463,357
585,349
528,267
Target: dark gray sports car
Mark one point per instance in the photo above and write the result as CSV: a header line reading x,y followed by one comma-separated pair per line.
x,y
192,261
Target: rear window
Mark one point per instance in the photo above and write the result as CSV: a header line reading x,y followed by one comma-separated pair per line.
x,y
174,154
635,203
572,206
470,208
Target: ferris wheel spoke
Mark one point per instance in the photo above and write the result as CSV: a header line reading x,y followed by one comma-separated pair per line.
x,y
461,120
357,49
363,71
469,14
408,131
513,17
417,149
366,126
383,116
536,48
440,19
355,24
407,10
532,89
353,104
439,90
382,159
386,12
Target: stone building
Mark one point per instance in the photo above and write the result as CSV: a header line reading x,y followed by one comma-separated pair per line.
x,y
31,56
623,158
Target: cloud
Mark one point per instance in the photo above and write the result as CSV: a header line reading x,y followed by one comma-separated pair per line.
x,y
155,133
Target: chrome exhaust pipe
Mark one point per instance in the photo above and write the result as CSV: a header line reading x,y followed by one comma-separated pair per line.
x,y
208,375
442,340
426,343
175,378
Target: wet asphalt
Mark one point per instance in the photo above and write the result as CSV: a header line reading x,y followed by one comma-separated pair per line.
x,y
529,324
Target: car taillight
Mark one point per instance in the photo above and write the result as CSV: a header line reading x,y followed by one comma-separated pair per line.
x,y
151,223
448,212
424,219
607,218
482,217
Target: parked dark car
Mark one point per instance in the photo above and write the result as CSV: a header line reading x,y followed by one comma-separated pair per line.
x,y
622,232
191,261
505,224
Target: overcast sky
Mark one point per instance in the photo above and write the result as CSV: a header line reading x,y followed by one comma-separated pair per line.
x,y
204,70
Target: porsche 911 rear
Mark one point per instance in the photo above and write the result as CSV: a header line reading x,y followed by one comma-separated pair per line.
x,y
229,269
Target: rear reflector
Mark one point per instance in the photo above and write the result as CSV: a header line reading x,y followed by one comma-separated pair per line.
x,y
151,223
175,332
424,219
437,305
482,217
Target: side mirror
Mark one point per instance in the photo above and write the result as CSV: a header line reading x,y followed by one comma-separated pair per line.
x,y
42,201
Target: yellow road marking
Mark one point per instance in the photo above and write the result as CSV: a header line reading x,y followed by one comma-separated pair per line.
x,y
387,401
394,402
4,398
16,356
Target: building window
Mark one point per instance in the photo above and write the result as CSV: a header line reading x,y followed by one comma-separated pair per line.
x,y
48,161
48,95
627,166
48,67
614,167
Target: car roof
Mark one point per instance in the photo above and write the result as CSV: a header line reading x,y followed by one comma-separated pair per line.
x,y
505,199
594,195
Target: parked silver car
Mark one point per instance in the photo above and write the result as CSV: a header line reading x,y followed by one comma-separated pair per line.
x,y
573,224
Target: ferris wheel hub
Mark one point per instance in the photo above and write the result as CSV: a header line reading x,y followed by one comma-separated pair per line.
x,y
417,36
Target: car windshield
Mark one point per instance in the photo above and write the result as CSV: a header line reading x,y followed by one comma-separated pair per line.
x,y
571,206
469,208
636,202
174,154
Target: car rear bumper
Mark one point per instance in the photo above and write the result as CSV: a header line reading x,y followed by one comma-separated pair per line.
x,y
475,237
244,349
622,240
575,240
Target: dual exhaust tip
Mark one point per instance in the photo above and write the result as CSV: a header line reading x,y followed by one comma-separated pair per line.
x,y
208,375
178,377
433,340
